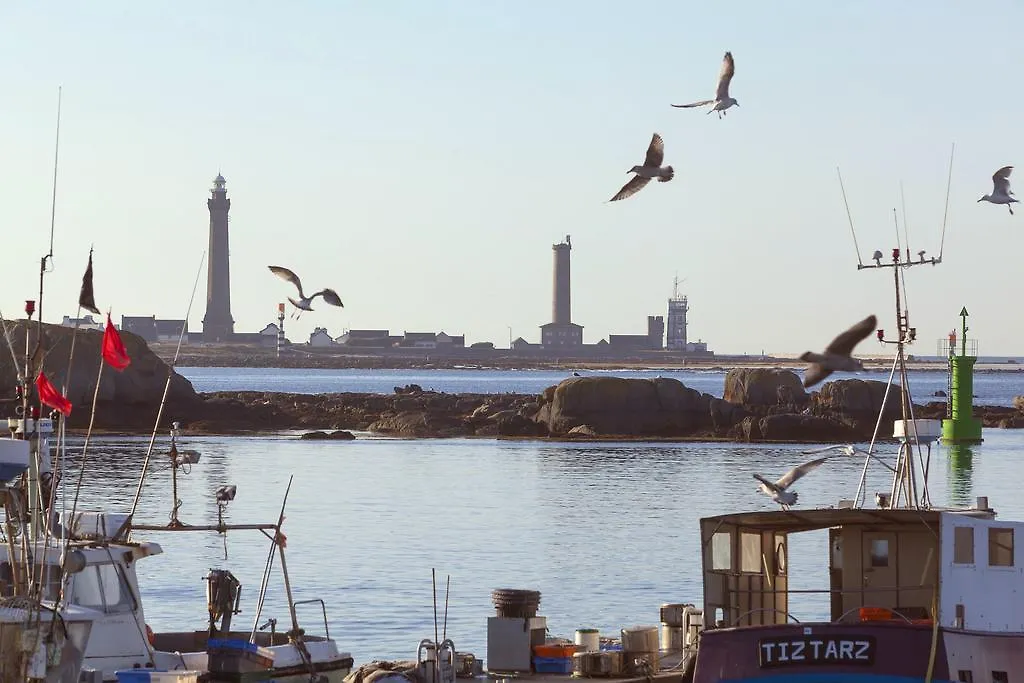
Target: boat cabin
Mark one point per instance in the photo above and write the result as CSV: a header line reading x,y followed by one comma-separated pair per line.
x,y
882,564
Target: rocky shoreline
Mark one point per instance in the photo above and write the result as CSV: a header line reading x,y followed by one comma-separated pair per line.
x,y
583,408
757,405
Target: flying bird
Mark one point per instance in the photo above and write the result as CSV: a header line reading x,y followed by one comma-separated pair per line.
x,y
779,490
651,168
722,99
1001,192
837,354
303,304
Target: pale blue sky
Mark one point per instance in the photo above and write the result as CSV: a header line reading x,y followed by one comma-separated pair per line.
x,y
430,153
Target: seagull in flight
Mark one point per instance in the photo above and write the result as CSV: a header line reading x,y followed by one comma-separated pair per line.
x,y
837,354
651,168
722,99
1001,189
779,490
850,449
303,304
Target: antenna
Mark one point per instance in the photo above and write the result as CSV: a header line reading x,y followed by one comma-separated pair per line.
x,y
906,232
849,217
945,213
904,478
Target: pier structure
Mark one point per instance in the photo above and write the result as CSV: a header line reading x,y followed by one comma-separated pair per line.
x,y
960,425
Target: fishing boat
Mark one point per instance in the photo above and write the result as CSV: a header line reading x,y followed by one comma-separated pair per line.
x,y
914,592
39,639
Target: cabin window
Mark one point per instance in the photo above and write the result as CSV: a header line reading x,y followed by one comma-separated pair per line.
x,y
963,544
104,588
750,552
965,676
1000,547
721,550
1000,677
880,552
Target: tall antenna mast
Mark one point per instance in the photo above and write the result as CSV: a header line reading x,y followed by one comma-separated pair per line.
x,y
904,477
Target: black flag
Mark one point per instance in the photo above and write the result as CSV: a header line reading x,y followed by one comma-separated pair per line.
x,y
86,299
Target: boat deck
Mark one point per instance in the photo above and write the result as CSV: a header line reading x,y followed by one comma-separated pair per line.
x,y
674,676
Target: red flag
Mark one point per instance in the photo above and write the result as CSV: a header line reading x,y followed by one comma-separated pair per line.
x,y
113,348
49,396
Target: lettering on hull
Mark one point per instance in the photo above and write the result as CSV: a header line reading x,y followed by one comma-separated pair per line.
x,y
803,650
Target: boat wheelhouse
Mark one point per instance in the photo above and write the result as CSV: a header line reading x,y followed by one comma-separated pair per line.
x,y
911,594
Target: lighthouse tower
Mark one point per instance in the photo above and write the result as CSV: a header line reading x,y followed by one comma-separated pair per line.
x,y
218,324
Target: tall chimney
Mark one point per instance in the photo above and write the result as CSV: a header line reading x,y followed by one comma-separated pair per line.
x,y
560,305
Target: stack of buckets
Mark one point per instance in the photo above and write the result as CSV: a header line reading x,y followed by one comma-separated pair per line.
x,y
553,658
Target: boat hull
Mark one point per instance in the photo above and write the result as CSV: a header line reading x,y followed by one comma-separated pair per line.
x,y
868,652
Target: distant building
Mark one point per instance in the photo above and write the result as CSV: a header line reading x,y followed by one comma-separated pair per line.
x,y
447,341
373,339
171,330
629,342
321,338
86,323
555,335
144,326
521,344
677,309
419,340
656,330
482,346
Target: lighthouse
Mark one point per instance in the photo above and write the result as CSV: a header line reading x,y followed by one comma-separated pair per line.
x,y
218,326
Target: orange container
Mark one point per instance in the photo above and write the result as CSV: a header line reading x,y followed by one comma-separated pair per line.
x,y
875,614
555,651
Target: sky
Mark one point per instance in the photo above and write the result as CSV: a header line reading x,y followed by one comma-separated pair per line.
x,y
422,157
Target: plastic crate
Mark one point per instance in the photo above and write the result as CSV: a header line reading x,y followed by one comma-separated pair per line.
x,y
157,676
552,665
237,656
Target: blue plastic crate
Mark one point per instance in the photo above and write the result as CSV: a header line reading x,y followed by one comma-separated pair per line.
x,y
234,644
552,665
156,676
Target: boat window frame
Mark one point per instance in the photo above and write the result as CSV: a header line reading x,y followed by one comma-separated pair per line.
x,y
996,547
964,545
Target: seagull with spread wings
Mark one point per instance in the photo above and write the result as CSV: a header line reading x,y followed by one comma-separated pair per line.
x,y
651,168
303,304
1001,192
779,489
837,354
722,100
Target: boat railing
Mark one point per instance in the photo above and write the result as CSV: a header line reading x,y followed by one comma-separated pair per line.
x,y
323,610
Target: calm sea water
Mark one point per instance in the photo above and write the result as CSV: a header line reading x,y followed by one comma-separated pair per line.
x,y
991,388
607,532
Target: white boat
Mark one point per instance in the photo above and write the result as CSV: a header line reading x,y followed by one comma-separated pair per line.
x,y
39,639
102,588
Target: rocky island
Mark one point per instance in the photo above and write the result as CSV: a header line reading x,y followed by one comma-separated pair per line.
x,y
758,404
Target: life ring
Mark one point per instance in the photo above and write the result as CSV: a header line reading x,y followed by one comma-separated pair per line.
x,y
150,636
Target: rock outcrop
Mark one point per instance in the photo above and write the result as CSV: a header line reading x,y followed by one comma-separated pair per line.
x,y
123,398
763,387
613,406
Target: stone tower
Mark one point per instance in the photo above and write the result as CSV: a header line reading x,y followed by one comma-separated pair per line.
x,y
218,324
